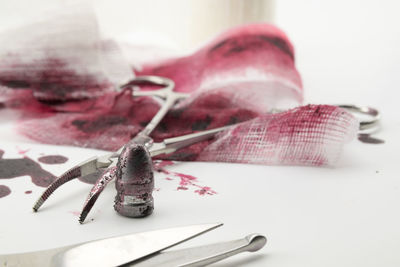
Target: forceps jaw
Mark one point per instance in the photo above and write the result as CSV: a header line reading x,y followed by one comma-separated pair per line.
x,y
105,161
164,93
93,164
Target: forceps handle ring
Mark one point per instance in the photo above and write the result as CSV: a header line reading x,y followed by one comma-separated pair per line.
x,y
149,79
166,93
365,124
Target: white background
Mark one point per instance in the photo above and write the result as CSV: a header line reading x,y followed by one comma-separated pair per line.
x,y
347,52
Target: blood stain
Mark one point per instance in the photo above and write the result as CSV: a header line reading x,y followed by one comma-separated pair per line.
x,y
4,191
185,180
205,191
22,151
13,168
75,213
159,164
182,188
28,192
53,159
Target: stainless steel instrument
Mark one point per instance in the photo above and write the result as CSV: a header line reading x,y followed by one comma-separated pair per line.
x,y
139,249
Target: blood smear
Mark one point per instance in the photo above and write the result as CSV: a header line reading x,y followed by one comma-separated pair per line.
x,y
17,167
186,181
13,168
53,159
4,191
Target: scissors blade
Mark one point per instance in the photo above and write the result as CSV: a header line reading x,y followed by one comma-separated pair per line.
x,y
112,251
33,259
120,250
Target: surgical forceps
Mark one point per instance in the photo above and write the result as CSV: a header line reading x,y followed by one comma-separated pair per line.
x,y
109,160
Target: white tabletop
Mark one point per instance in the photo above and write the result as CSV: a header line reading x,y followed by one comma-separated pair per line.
x,y
347,52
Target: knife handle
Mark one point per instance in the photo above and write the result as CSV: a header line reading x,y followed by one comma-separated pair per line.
x,y
204,255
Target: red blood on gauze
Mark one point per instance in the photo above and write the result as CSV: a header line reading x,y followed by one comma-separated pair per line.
x,y
61,57
251,71
253,64
238,77
307,135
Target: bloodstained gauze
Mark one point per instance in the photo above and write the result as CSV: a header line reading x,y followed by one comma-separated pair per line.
x,y
308,135
237,78
61,57
234,78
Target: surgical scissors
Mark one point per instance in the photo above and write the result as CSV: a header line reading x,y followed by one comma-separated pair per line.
x,y
150,248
